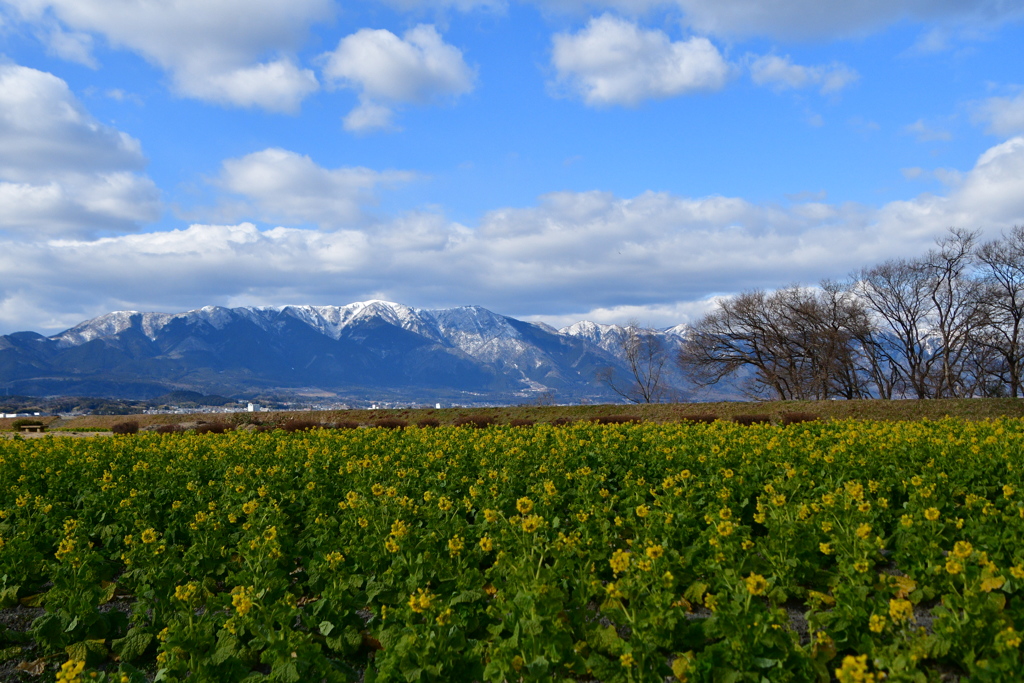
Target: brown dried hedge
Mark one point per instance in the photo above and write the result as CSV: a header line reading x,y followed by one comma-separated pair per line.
x,y
475,421
615,419
702,418
521,422
300,425
797,418
748,420
390,423
169,429
428,422
129,427
214,428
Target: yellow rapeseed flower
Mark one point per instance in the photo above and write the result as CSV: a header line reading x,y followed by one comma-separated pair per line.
x,y
421,600
756,584
900,610
931,514
620,561
532,523
241,599
71,671
855,670
186,592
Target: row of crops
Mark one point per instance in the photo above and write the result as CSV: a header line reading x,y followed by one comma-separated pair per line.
x,y
851,551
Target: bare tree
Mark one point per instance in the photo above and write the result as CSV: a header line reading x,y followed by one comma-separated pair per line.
x,y
956,311
644,353
847,344
947,324
794,343
897,294
1002,330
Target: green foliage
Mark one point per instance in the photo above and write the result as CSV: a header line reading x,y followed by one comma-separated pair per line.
x,y
618,552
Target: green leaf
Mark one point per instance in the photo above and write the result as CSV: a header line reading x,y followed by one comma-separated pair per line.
x,y
109,590
326,627
466,596
695,592
606,639
226,649
9,596
133,645
47,629
285,671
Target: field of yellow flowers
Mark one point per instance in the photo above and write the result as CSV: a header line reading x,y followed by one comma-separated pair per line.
x,y
848,550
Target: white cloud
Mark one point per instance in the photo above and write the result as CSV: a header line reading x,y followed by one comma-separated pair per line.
x,y
1003,115
72,46
913,173
211,48
926,133
61,171
572,253
276,86
280,185
614,61
386,70
43,127
803,19
657,315
781,73
369,116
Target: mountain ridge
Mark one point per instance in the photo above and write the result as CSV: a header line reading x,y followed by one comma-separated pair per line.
x,y
364,348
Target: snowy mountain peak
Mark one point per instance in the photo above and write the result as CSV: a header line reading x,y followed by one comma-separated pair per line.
x,y
104,326
376,343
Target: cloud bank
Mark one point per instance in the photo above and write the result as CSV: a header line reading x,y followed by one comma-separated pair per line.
x,y
655,255
61,171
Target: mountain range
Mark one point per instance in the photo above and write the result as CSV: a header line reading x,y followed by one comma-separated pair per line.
x,y
373,350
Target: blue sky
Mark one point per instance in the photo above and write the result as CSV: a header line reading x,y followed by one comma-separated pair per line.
x,y
551,160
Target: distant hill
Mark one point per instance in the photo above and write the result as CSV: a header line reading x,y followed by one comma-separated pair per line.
x,y
368,350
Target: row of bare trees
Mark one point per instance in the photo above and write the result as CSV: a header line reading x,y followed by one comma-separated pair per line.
x,y
947,324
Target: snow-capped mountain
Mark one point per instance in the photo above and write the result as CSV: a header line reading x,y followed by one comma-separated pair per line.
x,y
361,349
